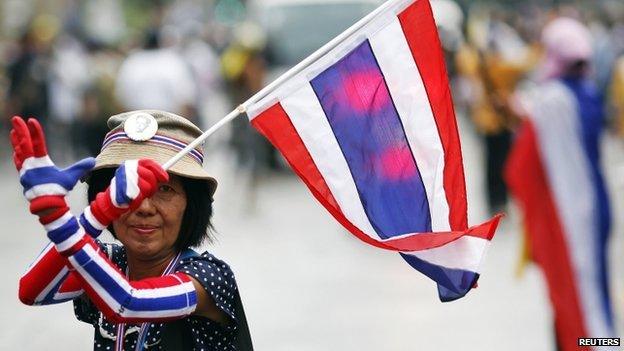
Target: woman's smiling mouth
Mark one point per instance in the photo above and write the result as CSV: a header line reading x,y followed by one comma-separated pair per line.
x,y
144,229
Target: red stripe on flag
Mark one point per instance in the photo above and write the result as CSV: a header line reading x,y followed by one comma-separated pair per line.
x,y
527,181
276,126
422,37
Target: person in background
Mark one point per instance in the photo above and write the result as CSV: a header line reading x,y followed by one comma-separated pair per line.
x,y
69,78
156,78
616,96
493,66
28,71
244,70
554,172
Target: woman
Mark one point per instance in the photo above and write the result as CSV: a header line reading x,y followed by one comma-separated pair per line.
x,y
132,293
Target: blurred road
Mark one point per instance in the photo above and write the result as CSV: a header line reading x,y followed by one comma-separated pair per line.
x,y
308,285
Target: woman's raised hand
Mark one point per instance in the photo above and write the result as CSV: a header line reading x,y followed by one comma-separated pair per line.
x,y
134,181
45,185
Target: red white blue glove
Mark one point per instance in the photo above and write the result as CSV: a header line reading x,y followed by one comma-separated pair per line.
x,y
45,185
134,181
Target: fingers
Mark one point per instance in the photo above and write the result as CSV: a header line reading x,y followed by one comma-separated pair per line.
x,y
155,168
38,138
148,174
148,185
21,142
18,158
14,139
80,169
147,182
22,137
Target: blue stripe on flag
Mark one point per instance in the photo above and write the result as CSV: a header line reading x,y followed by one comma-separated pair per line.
x,y
362,115
44,175
592,117
452,283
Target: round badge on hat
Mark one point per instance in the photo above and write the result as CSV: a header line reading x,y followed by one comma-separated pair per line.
x,y
140,126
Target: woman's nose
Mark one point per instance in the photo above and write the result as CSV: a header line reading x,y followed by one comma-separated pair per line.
x,y
146,208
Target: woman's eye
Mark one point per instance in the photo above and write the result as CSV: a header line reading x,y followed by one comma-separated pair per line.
x,y
165,188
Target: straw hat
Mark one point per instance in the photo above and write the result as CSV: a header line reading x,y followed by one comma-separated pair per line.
x,y
157,135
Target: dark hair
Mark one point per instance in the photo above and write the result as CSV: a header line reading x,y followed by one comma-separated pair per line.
x,y
576,69
196,226
152,39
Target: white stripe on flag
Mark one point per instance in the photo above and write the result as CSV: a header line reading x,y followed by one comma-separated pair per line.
x,y
410,99
331,57
308,118
464,253
567,168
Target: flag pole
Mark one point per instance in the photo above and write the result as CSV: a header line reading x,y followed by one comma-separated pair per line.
x,y
230,116
242,108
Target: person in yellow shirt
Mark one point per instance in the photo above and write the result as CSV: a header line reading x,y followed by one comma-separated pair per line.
x,y
616,96
493,74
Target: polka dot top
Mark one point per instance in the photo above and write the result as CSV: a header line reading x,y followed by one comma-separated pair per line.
x,y
200,332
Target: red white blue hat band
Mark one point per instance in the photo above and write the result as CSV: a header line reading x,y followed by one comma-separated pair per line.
x,y
156,139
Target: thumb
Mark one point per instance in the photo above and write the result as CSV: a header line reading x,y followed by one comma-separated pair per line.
x,y
80,169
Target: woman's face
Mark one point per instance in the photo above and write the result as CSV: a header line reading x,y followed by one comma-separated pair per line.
x,y
150,231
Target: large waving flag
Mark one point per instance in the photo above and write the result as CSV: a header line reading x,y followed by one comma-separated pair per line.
x,y
552,171
370,128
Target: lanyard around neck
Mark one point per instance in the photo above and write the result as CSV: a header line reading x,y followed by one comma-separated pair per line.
x,y
121,327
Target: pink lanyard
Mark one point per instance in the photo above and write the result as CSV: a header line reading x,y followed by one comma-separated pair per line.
x,y
121,327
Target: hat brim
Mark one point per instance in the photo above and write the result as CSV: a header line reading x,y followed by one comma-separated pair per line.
x,y
118,152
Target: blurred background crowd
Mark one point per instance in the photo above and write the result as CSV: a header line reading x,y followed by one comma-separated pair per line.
x,y
72,64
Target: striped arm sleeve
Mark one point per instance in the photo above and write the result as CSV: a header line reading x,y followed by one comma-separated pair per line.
x,y
48,280
163,298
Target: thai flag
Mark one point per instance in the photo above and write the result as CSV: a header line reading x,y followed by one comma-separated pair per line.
x,y
370,128
553,172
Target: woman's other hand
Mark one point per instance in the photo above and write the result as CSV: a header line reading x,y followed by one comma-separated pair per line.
x,y
134,181
45,185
